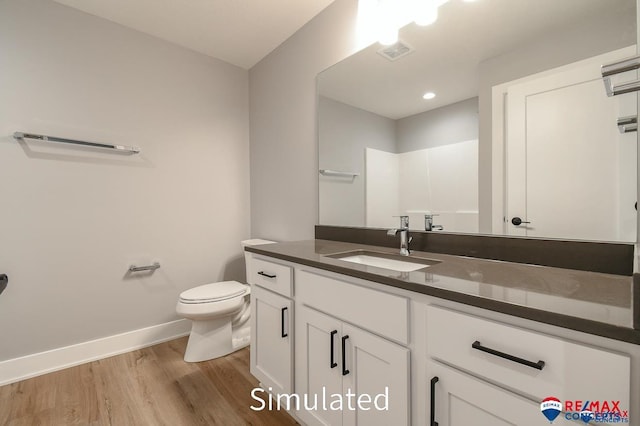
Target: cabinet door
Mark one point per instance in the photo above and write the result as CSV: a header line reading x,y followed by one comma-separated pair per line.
x,y
319,373
272,340
462,400
377,369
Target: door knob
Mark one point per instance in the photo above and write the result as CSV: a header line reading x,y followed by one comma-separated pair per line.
x,y
4,280
517,221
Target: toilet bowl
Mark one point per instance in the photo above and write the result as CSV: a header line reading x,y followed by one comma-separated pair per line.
x,y
219,313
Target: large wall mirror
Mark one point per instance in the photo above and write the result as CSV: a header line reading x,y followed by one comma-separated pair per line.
x,y
519,139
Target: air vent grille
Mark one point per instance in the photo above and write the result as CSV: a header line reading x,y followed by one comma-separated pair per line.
x,y
396,51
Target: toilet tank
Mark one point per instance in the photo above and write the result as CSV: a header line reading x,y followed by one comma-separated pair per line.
x,y
254,242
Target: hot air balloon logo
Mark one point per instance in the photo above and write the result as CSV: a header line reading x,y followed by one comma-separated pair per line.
x,y
551,408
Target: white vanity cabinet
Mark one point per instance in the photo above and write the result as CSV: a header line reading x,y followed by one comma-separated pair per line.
x,y
272,337
478,368
337,357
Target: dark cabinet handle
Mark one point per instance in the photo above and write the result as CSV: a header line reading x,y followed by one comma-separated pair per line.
x,y
333,363
537,365
344,355
283,333
264,274
517,221
434,380
4,279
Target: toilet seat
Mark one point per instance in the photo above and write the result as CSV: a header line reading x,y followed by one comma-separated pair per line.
x,y
213,292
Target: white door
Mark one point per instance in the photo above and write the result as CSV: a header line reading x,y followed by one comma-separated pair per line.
x,y
463,400
376,369
569,171
319,373
271,337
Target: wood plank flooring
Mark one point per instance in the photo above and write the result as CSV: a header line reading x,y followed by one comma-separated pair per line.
x,y
147,387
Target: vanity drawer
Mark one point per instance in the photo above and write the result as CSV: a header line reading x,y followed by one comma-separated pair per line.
x,y
382,313
566,370
272,276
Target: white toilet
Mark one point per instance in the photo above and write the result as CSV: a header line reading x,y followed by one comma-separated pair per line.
x,y
219,313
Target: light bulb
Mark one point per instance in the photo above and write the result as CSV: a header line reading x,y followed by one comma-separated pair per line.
x,y
426,11
387,25
429,95
388,36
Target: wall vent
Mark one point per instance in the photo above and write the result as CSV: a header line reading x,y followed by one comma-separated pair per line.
x,y
396,51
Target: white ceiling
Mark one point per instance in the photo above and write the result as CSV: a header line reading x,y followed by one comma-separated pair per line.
x,y
448,53
240,32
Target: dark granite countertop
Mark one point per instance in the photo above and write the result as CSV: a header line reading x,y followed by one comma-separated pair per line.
x,y
590,302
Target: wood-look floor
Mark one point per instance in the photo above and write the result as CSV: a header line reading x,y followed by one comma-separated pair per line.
x,y
147,387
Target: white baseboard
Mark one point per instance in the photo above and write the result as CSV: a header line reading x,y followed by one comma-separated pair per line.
x,y
14,370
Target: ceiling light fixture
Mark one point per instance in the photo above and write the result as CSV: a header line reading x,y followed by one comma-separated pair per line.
x,y
429,95
425,12
388,36
388,20
391,15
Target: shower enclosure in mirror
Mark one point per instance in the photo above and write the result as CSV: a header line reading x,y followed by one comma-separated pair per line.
x,y
519,139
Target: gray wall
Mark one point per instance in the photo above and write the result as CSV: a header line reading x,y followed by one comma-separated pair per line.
x,y
344,133
284,160
442,126
74,219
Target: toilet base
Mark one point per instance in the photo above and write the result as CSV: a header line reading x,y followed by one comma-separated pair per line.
x,y
241,337
210,339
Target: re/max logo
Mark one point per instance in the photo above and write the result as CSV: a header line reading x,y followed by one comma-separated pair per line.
x,y
595,407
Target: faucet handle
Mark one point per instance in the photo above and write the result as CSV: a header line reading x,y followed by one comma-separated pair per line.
x,y
404,221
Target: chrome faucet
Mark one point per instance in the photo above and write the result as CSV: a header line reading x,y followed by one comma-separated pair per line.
x,y
405,239
428,223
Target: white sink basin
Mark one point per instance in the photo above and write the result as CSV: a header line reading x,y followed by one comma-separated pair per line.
x,y
386,260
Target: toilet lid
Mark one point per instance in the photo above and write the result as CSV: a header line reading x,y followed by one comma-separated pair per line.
x,y
213,292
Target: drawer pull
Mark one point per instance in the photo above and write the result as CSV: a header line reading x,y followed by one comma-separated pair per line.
x,y
283,333
434,380
537,365
334,364
344,355
264,274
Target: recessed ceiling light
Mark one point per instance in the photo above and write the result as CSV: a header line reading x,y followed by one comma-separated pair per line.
x,y
429,95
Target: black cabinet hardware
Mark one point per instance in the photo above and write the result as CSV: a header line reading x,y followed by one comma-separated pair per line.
x,y
433,422
333,362
537,365
4,279
264,274
344,355
283,333
517,221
